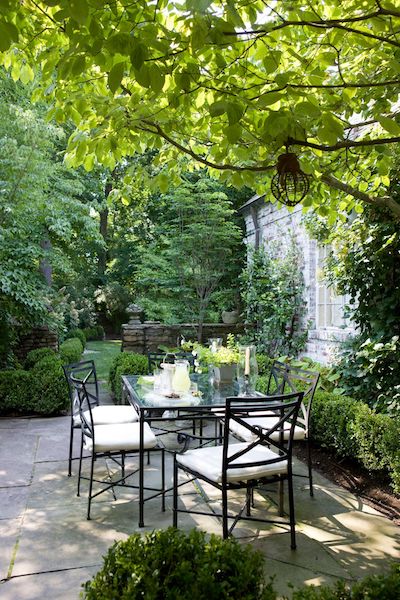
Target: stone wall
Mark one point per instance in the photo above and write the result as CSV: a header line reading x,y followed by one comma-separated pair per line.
x,y
274,225
148,336
39,337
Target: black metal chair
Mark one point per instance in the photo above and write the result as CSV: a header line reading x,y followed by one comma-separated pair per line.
x,y
115,441
285,378
231,466
105,414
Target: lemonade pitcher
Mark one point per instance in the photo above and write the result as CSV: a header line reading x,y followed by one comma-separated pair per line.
x,y
181,379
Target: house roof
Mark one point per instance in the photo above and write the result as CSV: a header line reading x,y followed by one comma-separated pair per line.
x,y
253,200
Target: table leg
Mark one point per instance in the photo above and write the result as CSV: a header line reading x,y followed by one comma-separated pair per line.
x,y
141,470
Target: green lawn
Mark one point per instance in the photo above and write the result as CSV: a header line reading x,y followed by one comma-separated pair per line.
x,y
102,353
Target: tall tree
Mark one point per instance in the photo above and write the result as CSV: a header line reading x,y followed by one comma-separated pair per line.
x,y
229,83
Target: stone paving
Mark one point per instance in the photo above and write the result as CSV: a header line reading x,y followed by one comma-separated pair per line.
x,y
48,548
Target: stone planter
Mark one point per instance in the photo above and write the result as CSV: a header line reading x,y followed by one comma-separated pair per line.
x,y
230,316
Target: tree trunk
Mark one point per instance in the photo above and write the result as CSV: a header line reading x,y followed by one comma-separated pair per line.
x,y
45,266
103,254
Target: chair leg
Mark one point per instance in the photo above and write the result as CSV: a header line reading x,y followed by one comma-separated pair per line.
x,y
163,479
175,495
310,475
249,495
291,513
71,442
225,513
78,493
90,487
123,466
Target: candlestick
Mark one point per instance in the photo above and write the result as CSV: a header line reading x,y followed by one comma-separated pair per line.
x,y
247,361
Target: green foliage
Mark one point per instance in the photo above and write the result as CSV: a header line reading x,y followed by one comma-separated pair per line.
x,y
383,586
71,351
353,430
35,356
187,87
370,370
170,564
273,294
49,387
15,392
94,333
193,254
77,333
40,390
365,264
126,363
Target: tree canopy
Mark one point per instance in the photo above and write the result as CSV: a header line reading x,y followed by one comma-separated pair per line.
x,y
229,83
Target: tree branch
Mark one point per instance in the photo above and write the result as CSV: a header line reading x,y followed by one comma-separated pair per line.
x,y
384,201
154,128
344,144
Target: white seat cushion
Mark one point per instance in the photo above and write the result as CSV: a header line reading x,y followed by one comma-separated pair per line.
x,y
120,436
264,423
208,462
109,414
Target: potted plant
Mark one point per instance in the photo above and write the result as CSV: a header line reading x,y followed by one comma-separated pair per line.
x,y
224,361
230,317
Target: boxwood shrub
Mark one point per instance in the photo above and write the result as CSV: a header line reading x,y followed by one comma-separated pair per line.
x,y
94,333
169,564
126,363
35,355
71,351
352,430
41,387
77,333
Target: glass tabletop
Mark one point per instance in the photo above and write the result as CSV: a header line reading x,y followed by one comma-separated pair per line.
x,y
141,390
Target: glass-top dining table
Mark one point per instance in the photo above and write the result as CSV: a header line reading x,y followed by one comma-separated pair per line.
x,y
155,407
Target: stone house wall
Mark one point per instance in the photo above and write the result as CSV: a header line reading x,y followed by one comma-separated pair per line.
x,y
265,223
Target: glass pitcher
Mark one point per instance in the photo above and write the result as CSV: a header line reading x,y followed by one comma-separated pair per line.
x,y
181,379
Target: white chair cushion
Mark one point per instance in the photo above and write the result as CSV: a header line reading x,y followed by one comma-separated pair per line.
x,y
120,436
109,414
208,462
264,423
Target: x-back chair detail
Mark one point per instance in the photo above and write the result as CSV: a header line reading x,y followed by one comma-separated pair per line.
x,y
267,457
283,379
104,414
114,441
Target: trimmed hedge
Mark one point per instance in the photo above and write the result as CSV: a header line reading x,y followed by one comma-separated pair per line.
x,y
35,355
77,333
126,363
94,333
71,350
170,564
355,431
41,387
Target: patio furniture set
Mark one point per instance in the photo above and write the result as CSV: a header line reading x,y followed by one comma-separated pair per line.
x,y
252,445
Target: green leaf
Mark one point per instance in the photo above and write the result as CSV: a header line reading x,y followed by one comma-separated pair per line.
x,y
218,108
234,112
79,10
390,125
115,76
157,78
233,133
138,55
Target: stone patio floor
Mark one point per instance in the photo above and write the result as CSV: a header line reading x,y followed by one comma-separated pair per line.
x,y
48,548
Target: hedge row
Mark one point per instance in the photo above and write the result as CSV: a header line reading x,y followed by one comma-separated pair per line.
x,y
126,363
355,431
172,564
41,387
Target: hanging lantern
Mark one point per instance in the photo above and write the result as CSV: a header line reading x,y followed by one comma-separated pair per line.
x,y
289,185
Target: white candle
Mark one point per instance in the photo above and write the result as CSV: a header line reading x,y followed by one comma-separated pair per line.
x,y
247,361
